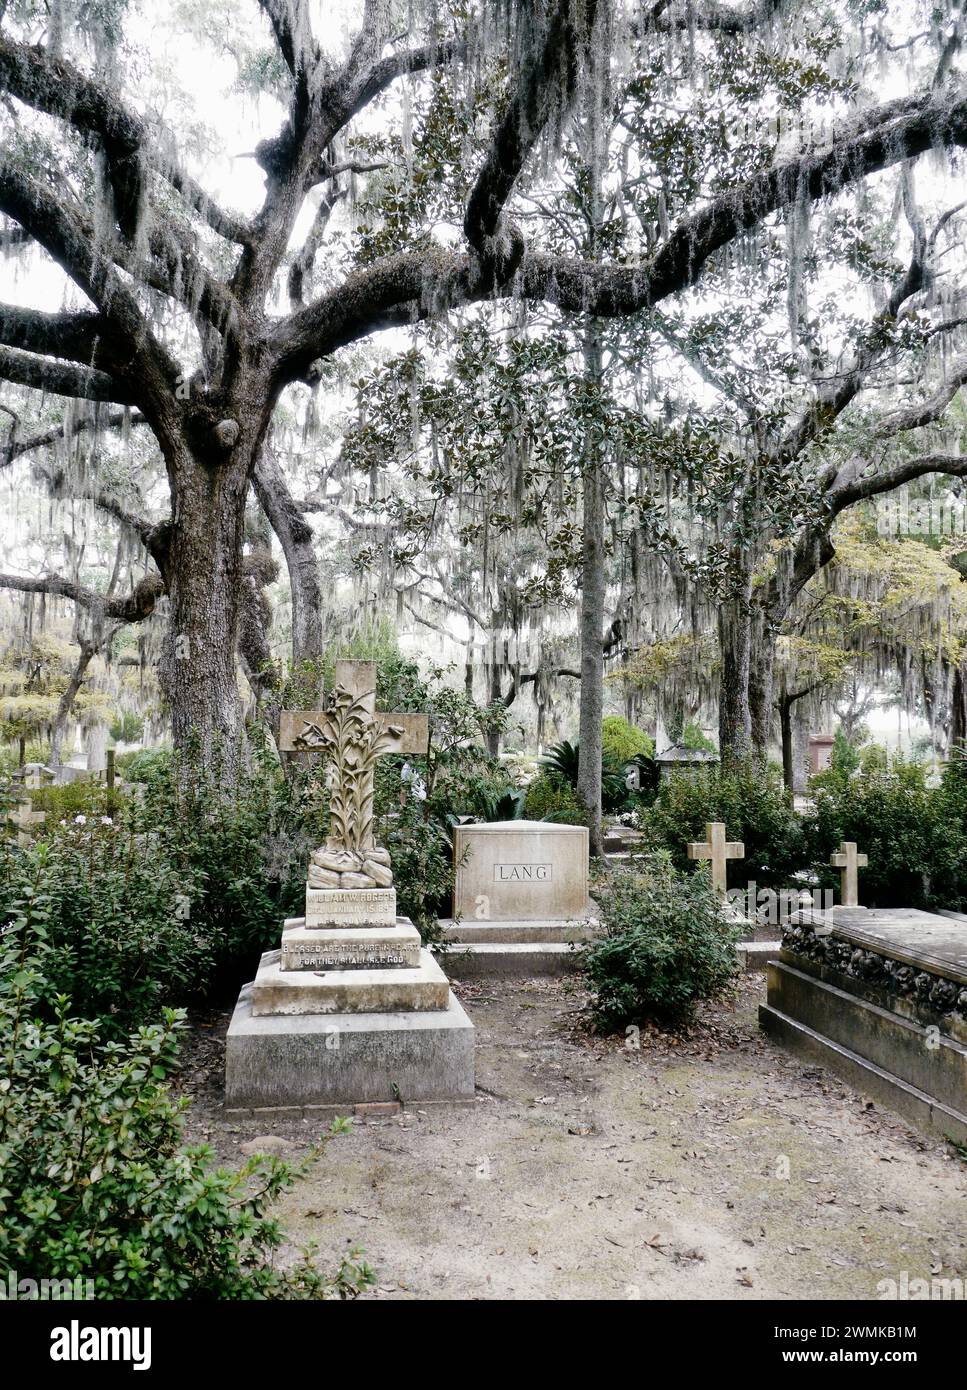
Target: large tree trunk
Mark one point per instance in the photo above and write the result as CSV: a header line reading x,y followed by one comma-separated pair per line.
x,y
66,702
958,714
788,750
592,612
298,546
735,643
762,657
205,578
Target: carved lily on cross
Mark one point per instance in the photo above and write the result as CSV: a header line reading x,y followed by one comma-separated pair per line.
x,y
354,739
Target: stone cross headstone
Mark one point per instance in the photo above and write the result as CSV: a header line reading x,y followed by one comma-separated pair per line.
x,y
848,861
352,1007
350,879
26,816
35,775
718,850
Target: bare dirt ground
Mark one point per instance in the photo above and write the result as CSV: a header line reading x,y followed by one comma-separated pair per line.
x,y
715,1166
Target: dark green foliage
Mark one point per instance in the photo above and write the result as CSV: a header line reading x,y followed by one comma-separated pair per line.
x,y
118,945
243,856
843,758
667,945
551,797
755,807
915,836
69,799
495,805
562,759
127,727
93,1181
143,763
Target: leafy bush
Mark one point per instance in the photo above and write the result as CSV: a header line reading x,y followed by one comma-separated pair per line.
x,y
754,806
623,742
94,1183
667,945
915,836
242,855
66,800
127,727
118,946
498,805
143,763
692,736
550,797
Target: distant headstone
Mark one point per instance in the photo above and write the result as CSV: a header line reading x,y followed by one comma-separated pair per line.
x,y
718,850
519,870
35,775
820,752
23,818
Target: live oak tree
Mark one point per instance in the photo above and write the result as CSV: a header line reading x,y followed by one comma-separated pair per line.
x,y
148,246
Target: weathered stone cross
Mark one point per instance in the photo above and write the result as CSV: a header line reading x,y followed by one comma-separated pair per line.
x,y
354,733
718,849
848,861
26,816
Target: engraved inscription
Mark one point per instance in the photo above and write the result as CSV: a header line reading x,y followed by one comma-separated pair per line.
x,y
522,873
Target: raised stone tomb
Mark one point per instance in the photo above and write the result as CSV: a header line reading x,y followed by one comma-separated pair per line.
x,y
879,996
520,898
520,870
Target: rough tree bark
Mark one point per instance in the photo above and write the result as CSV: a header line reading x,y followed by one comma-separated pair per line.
x,y
593,592
735,655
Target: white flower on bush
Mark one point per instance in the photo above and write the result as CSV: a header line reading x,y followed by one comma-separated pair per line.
x,y
80,820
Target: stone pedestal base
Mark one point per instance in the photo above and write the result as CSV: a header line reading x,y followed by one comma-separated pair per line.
x,y
344,1059
355,991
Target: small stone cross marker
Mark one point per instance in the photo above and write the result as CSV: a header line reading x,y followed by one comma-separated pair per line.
x,y
26,816
848,861
718,849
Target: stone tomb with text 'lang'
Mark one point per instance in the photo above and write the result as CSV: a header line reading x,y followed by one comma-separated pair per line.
x,y
516,870
520,897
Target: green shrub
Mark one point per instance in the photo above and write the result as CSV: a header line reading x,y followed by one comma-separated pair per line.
x,y
120,941
550,797
623,742
914,836
143,763
754,806
500,804
93,1181
127,727
66,800
667,945
692,736
242,855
